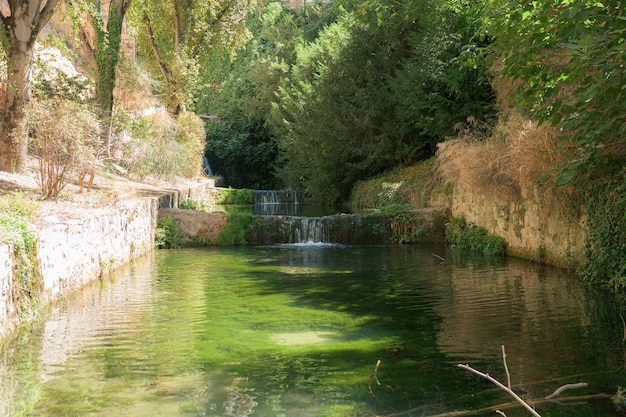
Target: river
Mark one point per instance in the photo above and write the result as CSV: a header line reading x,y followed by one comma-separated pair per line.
x,y
298,330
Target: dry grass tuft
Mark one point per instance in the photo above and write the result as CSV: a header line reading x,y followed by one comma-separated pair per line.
x,y
519,155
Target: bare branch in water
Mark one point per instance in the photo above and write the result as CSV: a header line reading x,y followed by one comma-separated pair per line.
x,y
506,368
503,387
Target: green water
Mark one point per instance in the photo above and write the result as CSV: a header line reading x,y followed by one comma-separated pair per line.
x,y
298,330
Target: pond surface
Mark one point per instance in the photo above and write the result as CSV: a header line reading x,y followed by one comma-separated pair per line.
x,y
298,330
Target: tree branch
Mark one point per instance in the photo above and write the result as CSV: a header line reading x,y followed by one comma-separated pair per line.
x,y
503,387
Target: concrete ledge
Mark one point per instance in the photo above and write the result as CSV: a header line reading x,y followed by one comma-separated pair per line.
x,y
197,228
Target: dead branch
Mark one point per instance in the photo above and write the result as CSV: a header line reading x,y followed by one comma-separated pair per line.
x,y
495,408
565,388
506,368
369,384
499,384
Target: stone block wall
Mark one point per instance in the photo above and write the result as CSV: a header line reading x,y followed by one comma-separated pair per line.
x,y
71,252
532,228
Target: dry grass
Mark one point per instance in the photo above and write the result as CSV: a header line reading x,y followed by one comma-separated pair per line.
x,y
519,155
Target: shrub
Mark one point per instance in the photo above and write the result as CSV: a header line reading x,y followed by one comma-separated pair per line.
x,y
406,225
196,205
469,236
190,135
167,234
64,138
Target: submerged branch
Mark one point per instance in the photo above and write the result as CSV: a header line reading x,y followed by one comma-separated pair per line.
x,y
564,388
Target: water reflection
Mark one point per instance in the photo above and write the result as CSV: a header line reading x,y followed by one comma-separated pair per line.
x,y
296,330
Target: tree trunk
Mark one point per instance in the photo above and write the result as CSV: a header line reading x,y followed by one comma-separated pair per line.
x,y
14,140
21,27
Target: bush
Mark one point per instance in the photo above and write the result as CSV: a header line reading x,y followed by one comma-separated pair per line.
x,y
196,205
406,225
167,234
190,135
64,139
469,236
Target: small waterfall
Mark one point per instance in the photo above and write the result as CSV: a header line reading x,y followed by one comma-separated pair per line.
x,y
274,202
341,228
277,197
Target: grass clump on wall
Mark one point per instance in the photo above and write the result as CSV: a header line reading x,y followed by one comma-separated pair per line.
x,y
402,185
16,215
470,237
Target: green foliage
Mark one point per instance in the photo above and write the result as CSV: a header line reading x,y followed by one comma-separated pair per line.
x,y
378,88
240,89
411,184
64,140
605,204
242,152
181,38
567,59
236,231
16,215
167,234
196,205
236,196
470,237
406,225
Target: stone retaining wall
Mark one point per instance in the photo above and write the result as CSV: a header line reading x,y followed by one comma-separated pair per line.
x,y
533,228
72,252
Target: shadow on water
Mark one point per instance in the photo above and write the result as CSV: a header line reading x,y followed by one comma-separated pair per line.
x,y
296,330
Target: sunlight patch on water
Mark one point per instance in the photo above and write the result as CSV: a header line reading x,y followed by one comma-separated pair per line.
x,y
304,338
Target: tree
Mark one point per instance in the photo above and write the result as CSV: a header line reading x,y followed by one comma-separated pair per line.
x,y
101,41
378,88
21,25
176,37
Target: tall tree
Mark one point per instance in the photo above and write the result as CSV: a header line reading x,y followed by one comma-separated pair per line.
x,y
21,23
176,37
101,41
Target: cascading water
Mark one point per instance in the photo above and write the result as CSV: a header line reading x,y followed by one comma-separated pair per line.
x,y
341,228
280,219
274,202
